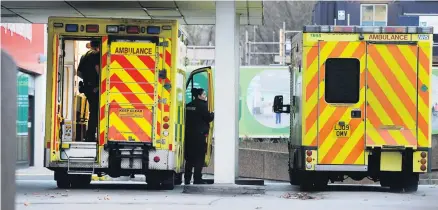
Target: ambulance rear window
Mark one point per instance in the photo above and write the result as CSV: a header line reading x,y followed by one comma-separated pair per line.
x,y
342,78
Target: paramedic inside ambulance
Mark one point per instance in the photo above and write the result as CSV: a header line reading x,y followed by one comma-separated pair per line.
x,y
88,70
198,120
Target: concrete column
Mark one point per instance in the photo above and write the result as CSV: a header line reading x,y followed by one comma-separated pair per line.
x,y
8,130
40,117
226,93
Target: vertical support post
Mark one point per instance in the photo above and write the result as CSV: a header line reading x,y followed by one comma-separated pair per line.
x,y
348,19
246,48
8,130
283,58
226,97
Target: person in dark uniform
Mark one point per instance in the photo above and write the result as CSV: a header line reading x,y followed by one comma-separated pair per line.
x,y
89,71
198,120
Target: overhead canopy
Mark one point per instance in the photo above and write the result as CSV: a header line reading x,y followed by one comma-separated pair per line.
x,y
187,12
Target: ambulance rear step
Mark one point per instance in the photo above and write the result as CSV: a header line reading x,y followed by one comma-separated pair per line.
x,y
78,150
81,160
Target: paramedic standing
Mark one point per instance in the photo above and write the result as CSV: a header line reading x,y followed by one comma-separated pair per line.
x,y
88,70
198,120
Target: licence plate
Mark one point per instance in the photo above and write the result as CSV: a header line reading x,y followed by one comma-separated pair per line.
x,y
342,131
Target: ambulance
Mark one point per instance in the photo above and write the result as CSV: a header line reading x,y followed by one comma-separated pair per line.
x,y
142,97
360,106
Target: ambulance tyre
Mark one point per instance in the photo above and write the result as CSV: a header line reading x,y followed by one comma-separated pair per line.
x,y
62,179
168,182
411,182
293,177
178,178
153,180
80,181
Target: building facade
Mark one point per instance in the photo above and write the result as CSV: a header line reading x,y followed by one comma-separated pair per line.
x,y
379,13
25,44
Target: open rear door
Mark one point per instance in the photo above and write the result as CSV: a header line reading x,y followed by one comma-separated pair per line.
x,y
203,78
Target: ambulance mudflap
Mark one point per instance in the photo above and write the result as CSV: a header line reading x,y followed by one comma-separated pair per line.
x,y
132,91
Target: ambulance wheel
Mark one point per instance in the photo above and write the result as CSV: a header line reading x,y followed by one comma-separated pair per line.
x,y
396,184
153,180
178,178
294,178
411,182
168,182
80,181
63,183
62,179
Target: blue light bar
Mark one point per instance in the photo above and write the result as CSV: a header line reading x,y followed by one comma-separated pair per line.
x,y
153,30
71,27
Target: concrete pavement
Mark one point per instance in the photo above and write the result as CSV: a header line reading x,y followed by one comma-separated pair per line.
x,y
34,193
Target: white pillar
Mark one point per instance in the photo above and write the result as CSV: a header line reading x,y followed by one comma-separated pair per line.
x,y
227,61
40,117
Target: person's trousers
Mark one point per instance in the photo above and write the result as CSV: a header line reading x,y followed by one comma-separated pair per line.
x,y
197,175
93,101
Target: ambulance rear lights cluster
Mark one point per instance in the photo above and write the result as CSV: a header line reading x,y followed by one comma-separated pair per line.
x,y
166,122
309,159
423,161
367,29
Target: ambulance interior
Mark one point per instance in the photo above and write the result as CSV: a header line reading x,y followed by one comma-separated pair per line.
x,y
73,104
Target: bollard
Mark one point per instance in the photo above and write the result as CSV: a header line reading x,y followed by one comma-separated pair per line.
x,y
8,141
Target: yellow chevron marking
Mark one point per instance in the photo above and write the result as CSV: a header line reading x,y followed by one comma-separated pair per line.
x,y
390,93
349,146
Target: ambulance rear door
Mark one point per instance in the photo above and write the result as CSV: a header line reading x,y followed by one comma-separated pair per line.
x,y
392,80
341,105
203,78
132,80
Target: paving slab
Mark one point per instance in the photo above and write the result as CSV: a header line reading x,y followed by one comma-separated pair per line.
x,y
224,189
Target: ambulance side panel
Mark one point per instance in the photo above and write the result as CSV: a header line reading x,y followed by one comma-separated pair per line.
x,y
310,91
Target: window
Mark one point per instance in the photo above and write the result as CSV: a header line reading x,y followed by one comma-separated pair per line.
x,y
199,80
373,15
342,78
435,50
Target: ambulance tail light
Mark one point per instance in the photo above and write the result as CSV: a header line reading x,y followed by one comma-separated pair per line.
x,y
166,119
92,28
132,29
112,29
425,30
394,29
166,126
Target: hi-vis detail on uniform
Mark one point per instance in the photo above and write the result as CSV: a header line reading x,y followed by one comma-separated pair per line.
x,y
365,106
141,114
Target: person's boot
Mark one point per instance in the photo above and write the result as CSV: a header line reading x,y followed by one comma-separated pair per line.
x,y
199,181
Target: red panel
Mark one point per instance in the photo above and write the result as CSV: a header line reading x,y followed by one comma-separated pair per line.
x,y
24,46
